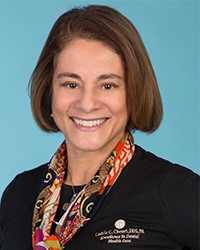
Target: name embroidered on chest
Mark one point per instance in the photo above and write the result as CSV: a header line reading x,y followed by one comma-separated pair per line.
x,y
120,234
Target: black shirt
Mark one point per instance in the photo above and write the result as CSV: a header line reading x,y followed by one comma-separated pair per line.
x,y
67,193
154,204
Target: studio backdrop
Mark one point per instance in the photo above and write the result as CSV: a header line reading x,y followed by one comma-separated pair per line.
x,y
170,31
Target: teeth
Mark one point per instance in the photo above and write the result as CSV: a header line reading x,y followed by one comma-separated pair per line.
x,y
88,123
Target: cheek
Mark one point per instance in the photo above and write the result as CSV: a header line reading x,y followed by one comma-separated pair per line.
x,y
122,110
119,110
58,103
119,104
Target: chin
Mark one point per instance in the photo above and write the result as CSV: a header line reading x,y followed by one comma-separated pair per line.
x,y
90,148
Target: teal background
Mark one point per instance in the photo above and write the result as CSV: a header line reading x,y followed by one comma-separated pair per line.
x,y
170,31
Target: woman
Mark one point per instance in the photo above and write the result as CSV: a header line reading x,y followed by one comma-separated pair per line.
x,y
94,82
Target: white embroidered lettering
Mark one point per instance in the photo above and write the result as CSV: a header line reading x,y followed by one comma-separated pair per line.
x,y
123,236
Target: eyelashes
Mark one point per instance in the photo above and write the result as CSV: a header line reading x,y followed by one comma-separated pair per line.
x,y
108,86
104,86
70,85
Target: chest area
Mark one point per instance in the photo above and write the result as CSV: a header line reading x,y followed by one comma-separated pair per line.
x,y
126,220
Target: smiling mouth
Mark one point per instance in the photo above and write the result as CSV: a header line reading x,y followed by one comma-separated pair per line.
x,y
88,123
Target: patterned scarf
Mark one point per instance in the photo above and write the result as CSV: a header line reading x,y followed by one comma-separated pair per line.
x,y
86,203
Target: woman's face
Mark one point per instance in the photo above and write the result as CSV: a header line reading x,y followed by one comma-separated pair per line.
x,y
89,96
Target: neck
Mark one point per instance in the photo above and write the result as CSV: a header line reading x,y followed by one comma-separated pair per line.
x,y
83,166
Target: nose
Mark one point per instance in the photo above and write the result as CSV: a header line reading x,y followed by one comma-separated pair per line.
x,y
88,100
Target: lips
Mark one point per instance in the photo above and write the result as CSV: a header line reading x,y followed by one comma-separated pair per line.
x,y
88,123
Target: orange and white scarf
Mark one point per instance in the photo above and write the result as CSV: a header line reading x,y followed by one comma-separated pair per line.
x,y
86,203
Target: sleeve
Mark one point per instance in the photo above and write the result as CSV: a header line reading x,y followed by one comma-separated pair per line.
x,y
15,217
179,197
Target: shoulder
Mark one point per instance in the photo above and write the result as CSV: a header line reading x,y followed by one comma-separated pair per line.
x,y
25,185
176,189
16,209
162,168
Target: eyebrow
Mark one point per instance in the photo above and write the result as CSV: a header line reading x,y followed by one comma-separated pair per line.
x,y
109,76
99,78
67,74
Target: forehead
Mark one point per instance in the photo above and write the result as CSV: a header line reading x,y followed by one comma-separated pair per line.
x,y
88,54
86,46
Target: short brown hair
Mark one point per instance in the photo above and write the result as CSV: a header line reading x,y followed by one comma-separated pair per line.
x,y
98,22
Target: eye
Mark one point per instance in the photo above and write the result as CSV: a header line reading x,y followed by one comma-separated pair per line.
x,y
108,86
70,85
